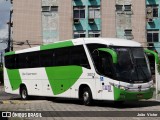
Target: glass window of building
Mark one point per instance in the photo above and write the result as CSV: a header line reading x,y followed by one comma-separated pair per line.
x,y
94,34
79,12
94,12
155,12
152,36
127,7
119,7
152,11
49,8
45,8
79,34
54,8
128,32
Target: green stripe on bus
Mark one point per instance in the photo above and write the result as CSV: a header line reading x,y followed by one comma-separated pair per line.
x,y
14,78
121,95
56,45
153,53
10,53
62,78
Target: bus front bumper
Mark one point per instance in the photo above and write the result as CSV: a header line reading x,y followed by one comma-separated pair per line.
x,y
123,95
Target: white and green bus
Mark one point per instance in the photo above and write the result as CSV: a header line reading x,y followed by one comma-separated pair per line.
x,y
85,68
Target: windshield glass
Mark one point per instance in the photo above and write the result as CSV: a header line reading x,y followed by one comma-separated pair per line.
x,y
132,65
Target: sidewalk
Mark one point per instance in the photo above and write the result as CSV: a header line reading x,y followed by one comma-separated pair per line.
x,y
6,96
154,96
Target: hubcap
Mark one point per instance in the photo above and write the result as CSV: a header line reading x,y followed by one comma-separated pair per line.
x,y
85,96
24,94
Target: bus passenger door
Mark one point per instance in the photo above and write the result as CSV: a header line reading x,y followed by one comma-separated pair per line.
x,y
105,68
108,69
98,85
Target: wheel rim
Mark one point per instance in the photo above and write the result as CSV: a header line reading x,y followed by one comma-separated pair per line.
x,y
24,94
85,96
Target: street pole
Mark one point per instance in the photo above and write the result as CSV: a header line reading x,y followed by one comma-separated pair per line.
x,y
1,59
9,31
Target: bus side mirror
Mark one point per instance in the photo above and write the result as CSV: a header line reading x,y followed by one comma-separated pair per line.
x,y
153,53
112,53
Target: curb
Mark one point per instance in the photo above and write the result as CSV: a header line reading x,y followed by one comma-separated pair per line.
x,y
13,102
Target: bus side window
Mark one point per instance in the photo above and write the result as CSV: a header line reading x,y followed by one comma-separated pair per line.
x,y
62,56
84,61
10,61
47,58
78,57
33,62
96,59
21,61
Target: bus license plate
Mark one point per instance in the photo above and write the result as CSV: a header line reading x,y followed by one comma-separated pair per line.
x,y
139,95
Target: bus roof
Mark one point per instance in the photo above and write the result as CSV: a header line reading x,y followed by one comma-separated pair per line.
x,y
113,42
80,41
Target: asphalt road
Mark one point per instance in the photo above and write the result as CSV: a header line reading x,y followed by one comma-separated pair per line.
x,y
74,107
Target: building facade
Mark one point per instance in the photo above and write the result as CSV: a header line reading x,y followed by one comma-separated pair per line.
x,y
26,29
56,20
45,21
153,23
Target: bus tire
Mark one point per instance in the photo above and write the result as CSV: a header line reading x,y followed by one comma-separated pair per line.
x,y
24,93
87,96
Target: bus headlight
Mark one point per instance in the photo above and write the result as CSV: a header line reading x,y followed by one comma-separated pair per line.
x,y
119,86
122,88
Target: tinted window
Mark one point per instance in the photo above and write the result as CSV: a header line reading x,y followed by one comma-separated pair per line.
x,y
62,56
155,12
10,61
78,57
33,60
102,60
46,58
93,47
21,61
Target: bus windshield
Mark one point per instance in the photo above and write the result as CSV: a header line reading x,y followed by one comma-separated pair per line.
x,y
132,65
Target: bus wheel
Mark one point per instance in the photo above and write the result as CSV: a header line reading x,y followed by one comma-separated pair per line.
x,y
87,96
24,93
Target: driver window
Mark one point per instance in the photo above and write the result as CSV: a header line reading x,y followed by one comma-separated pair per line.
x,y
106,64
103,63
102,60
